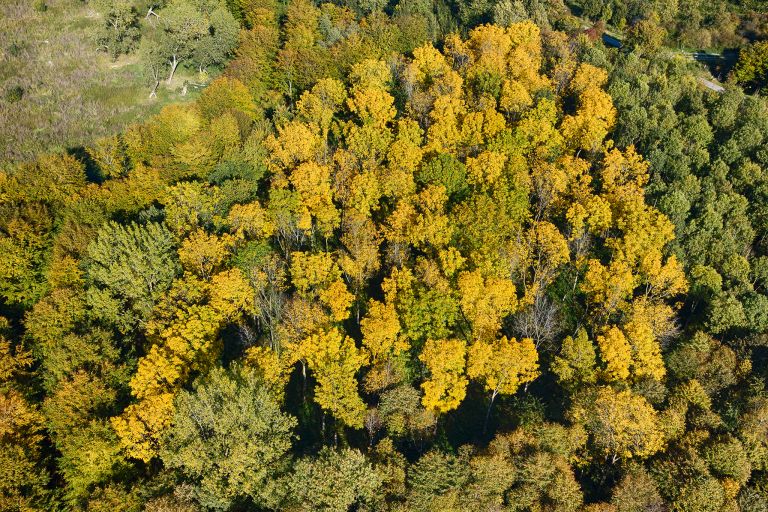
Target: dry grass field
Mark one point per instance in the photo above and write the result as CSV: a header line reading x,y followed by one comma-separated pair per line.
x,y
56,90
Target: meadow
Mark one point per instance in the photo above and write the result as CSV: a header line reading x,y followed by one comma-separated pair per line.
x,y
58,91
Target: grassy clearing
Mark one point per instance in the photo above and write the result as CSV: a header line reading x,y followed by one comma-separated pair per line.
x,y
57,91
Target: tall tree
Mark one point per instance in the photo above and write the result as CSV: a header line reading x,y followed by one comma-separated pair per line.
x,y
231,439
130,267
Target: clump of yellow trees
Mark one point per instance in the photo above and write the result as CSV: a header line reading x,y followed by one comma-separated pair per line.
x,y
415,213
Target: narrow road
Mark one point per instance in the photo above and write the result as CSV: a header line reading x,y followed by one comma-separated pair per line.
x,y
705,57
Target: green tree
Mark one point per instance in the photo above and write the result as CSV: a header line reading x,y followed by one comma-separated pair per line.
x,y
23,478
182,28
576,363
203,32
75,414
334,481
230,439
129,268
752,66
436,478
636,492
444,169
727,458
22,475
120,32
221,39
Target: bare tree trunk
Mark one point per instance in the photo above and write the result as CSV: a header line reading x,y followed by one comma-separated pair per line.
x,y
357,311
488,413
153,94
174,64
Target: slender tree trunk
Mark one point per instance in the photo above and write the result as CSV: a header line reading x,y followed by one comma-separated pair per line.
x,y
174,64
153,94
357,312
488,413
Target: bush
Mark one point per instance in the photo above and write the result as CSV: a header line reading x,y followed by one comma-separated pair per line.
x,y
14,94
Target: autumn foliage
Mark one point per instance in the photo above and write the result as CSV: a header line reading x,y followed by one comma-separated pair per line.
x,y
432,282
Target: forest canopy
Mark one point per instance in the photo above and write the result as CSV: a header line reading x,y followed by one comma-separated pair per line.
x,y
381,264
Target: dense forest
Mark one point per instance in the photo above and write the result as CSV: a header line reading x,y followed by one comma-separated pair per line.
x,y
430,256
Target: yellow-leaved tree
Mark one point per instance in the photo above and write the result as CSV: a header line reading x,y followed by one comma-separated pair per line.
x,y
446,386
502,366
334,361
621,424
184,331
